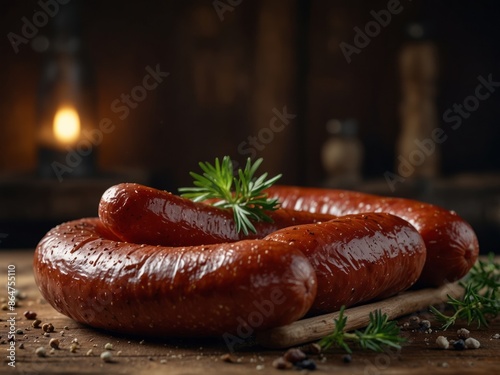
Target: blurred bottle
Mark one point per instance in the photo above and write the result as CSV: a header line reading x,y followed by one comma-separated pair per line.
x,y
418,63
342,154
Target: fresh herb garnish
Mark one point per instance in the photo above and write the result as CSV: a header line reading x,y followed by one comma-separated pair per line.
x,y
481,298
380,332
243,193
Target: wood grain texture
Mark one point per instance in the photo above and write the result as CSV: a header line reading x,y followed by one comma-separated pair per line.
x,y
139,355
317,327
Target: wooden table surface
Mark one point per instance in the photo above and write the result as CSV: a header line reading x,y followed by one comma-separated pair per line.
x,y
140,355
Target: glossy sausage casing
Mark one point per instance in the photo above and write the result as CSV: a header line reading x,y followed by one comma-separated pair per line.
x,y
86,274
358,258
452,246
141,214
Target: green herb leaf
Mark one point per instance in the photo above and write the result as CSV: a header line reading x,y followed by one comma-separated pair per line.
x,y
380,332
243,193
481,298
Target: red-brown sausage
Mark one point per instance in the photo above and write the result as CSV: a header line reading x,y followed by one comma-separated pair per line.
x,y
141,214
358,258
196,291
452,246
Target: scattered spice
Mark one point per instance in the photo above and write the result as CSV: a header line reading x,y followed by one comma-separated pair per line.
x,y
282,364
73,348
294,355
107,356
414,322
425,326
47,327
464,341
30,315
459,344
40,351
298,358
347,358
471,343
306,364
54,343
21,346
108,346
311,348
463,333
227,358
36,323
89,353
442,342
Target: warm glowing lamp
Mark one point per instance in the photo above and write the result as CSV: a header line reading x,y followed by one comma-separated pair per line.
x,y
66,125
66,101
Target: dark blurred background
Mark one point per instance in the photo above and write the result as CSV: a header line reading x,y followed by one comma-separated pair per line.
x,y
389,97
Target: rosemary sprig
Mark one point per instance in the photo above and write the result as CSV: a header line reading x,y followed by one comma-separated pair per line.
x,y
481,299
242,193
380,332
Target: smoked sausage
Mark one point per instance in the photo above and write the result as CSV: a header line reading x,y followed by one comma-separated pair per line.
x,y
358,258
84,272
452,245
141,214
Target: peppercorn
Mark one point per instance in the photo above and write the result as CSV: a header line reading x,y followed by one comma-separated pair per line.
x,y
463,333
54,343
30,315
306,364
282,364
459,345
294,355
347,358
48,327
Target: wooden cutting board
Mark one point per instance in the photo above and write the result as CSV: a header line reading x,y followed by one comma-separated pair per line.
x,y
315,328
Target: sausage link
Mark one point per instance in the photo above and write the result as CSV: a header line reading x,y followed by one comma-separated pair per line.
x,y
452,245
86,274
358,258
140,214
